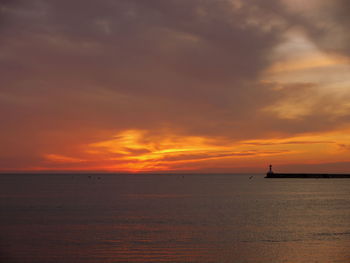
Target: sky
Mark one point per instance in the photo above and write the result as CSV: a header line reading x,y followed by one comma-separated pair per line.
x,y
207,86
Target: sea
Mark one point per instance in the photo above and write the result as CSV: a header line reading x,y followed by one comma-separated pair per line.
x,y
93,218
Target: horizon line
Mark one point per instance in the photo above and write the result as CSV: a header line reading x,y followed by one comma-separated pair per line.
x,y
124,173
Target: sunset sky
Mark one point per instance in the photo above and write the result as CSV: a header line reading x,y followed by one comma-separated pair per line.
x,y
175,85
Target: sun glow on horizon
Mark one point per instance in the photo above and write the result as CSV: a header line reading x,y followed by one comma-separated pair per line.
x,y
140,151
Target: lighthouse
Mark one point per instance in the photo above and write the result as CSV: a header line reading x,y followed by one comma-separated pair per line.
x,y
270,172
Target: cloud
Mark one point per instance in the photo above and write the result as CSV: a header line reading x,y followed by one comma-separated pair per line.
x,y
327,23
75,73
163,152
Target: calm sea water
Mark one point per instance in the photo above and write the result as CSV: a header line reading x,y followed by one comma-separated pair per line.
x,y
191,218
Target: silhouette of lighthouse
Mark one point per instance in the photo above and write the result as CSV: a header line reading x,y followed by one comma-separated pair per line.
x,y
270,170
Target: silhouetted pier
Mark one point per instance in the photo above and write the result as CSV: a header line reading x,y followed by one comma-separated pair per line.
x,y
271,174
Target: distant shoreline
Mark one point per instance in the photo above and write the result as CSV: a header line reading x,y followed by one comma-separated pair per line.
x,y
306,175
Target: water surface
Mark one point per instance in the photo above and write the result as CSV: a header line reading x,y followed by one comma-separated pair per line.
x,y
173,218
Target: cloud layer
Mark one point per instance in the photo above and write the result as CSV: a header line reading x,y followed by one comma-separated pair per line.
x,y
78,73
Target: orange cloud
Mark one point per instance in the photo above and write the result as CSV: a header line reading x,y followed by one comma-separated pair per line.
x,y
136,150
142,151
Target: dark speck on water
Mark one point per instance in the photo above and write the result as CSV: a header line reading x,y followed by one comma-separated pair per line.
x,y
158,218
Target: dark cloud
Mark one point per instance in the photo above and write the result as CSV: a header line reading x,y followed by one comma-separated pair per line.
x,y
5,6
328,25
191,52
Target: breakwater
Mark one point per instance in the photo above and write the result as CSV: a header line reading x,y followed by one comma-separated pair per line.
x,y
305,175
